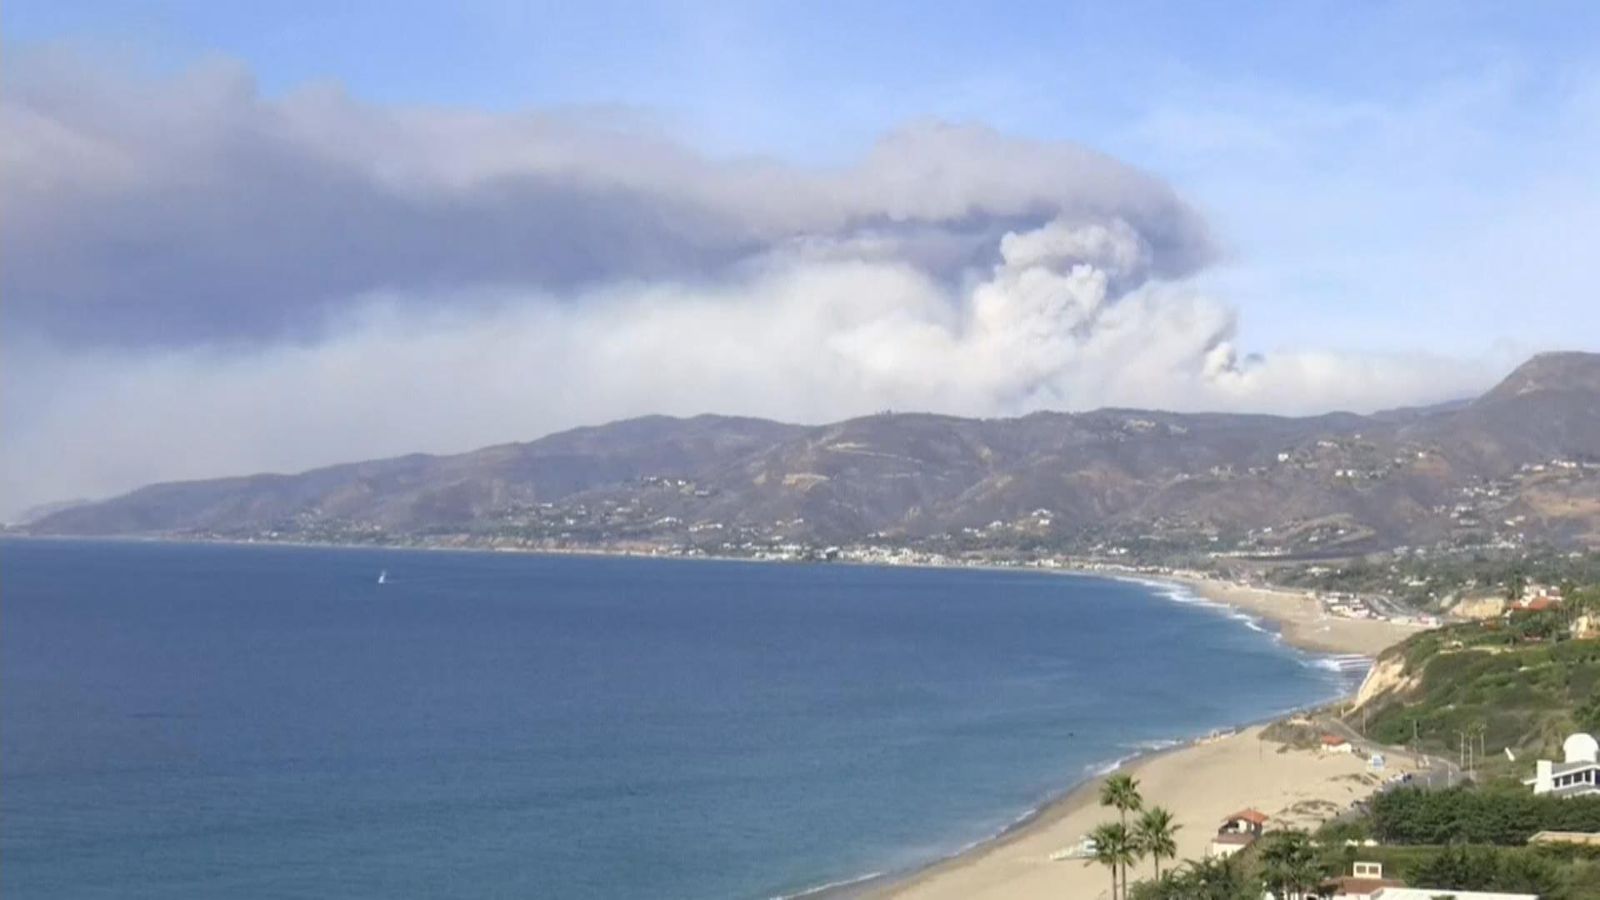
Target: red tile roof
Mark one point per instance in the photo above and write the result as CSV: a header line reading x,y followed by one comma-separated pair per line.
x,y
1253,816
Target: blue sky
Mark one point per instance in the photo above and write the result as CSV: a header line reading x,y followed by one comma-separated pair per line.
x,y
1300,206
1338,147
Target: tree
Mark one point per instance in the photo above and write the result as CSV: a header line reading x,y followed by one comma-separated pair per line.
x,y
1156,834
1515,584
1205,879
1289,864
1113,848
1122,792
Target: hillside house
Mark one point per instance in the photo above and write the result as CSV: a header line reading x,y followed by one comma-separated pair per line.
x,y
1577,775
1238,831
1363,882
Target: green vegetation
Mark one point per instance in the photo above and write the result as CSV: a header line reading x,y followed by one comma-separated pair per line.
x,y
1521,685
1490,869
1206,879
1117,847
1156,835
1425,581
1506,817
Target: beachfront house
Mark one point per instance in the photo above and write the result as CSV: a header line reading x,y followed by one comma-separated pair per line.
x,y
1363,883
1332,743
1238,831
1577,775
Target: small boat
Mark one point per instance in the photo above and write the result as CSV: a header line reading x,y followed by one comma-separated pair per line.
x,y
383,577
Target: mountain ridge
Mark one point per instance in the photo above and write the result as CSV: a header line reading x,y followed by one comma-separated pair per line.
x,y
1521,461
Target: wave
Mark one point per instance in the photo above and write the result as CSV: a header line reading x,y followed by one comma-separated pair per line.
x,y
830,886
1352,666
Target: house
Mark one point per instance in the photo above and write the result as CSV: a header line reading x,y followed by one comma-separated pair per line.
x,y
1535,598
1332,743
1586,626
1363,882
1238,831
1587,838
1437,892
1577,775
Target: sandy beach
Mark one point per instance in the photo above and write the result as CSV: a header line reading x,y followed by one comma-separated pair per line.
x,y
1302,620
1200,784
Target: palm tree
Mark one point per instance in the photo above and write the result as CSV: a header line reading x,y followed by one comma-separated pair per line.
x,y
1156,834
1113,848
1122,791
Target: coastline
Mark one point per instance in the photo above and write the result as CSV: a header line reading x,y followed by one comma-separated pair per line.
x,y
1199,782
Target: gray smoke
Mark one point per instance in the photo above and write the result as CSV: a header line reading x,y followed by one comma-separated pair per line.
x,y
203,281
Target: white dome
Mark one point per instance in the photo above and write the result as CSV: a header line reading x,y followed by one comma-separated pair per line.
x,y
1581,748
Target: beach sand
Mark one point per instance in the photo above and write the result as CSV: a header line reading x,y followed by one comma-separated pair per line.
x,y
1199,784
1301,619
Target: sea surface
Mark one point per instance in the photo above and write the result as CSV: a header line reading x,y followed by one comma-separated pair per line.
x,y
227,721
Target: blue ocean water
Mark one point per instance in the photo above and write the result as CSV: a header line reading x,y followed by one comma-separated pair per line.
x,y
215,721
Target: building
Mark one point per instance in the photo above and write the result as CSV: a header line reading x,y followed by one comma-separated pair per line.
x,y
1586,627
1587,838
1437,892
1577,775
1332,743
1363,883
1238,831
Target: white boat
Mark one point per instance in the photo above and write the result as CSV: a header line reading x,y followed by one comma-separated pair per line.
x,y
383,577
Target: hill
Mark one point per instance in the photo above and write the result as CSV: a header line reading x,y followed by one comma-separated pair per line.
x,y
1519,464
1520,685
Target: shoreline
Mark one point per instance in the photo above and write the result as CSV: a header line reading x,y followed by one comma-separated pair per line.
x,y
1008,864
1199,782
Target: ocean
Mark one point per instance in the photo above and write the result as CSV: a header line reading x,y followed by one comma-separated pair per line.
x,y
181,720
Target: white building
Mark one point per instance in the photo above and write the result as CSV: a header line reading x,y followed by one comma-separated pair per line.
x,y
1578,775
1238,831
1363,883
1437,892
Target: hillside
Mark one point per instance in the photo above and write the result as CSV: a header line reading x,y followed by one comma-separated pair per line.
x,y
1520,685
1519,464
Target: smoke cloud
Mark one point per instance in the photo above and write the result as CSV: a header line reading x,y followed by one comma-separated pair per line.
x,y
203,281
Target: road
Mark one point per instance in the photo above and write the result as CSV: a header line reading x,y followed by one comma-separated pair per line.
x,y
1433,772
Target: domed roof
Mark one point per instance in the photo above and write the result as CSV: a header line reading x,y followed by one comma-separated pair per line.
x,y
1581,748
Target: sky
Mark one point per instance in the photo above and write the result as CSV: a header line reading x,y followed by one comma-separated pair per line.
x,y
265,237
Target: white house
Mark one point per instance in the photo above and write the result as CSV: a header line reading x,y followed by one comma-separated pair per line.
x,y
1238,831
1437,892
1363,882
1332,743
1578,775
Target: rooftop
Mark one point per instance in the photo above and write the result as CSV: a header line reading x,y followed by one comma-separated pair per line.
x,y
1253,816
